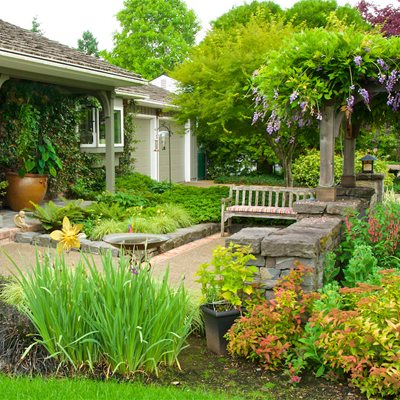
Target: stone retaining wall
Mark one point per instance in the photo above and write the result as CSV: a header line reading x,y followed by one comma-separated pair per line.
x,y
277,249
176,239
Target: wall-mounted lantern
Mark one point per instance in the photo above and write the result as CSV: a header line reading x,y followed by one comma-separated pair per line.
x,y
368,164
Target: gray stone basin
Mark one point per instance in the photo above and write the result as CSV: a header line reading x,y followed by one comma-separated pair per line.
x,y
135,241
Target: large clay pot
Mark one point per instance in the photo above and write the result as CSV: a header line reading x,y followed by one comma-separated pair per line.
x,y
22,190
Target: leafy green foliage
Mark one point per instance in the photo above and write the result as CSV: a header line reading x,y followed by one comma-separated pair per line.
x,y
360,339
242,15
306,168
48,118
379,230
103,227
315,13
215,85
112,317
51,215
271,330
164,218
272,180
228,278
202,204
154,37
361,266
124,199
88,44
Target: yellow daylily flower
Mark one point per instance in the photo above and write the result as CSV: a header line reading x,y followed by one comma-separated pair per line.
x,y
68,236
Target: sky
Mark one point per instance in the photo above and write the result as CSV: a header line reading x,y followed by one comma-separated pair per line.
x,y
65,21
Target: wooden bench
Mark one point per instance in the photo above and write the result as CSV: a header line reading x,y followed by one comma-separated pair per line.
x,y
262,202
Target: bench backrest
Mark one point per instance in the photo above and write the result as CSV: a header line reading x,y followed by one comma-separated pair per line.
x,y
269,196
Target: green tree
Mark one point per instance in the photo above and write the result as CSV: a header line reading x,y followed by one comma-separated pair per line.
x,y
215,92
156,35
88,44
242,14
343,69
315,13
36,26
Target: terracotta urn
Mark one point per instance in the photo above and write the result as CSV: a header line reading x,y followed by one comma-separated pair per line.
x,y
22,190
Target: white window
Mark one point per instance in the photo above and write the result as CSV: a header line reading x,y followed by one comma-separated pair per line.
x,y
92,128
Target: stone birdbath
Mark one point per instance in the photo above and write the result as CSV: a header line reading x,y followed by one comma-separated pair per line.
x,y
136,245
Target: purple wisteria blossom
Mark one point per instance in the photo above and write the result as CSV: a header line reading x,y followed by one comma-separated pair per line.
x,y
276,94
364,94
392,80
293,96
350,103
291,140
352,87
357,60
381,78
382,64
256,117
277,139
303,106
394,101
274,124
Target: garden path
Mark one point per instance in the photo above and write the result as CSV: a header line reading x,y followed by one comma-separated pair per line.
x,y
183,261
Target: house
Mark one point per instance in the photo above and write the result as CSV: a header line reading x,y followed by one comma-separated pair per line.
x,y
31,56
164,150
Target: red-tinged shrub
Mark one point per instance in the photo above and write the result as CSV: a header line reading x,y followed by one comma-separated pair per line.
x,y
363,340
272,328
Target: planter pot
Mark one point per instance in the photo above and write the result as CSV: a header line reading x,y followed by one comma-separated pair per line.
x,y
217,324
22,190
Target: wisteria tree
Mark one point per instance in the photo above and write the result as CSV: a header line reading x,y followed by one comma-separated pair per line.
x,y
324,76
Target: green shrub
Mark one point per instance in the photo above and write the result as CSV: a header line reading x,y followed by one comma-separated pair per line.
x,y
202,204
228,278
362,339
134,182
115,317
100,210
379,229
306,169
105,227
51,215
269,180
272,329
125,199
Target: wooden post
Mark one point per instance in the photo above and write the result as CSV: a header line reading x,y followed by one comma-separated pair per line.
x,y
329,129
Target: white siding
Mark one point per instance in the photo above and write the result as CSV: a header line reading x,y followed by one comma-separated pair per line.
x,y
142,152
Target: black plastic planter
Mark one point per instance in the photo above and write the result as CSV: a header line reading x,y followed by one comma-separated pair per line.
x,y
217,324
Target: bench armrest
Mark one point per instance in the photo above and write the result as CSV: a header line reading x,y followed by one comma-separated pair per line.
x,y
226,200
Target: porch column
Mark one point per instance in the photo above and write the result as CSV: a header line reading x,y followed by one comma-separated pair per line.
x,y
107,102
3,78
188,151
329,129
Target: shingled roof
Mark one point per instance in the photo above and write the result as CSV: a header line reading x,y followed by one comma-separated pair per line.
x,y
17,42
149,93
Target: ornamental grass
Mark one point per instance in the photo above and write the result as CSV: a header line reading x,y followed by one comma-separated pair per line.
x,y
114,317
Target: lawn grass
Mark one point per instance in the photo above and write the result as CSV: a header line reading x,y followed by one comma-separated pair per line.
x,y
24,388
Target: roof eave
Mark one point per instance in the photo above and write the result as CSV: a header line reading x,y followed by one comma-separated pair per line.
x,y
18,65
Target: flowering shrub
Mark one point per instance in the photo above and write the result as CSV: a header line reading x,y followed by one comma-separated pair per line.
x,y
271,330
362,339
379,230
305,169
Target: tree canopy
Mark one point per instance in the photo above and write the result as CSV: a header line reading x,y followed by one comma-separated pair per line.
x,y
344,67
215,83
88,44
155,36
315,13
